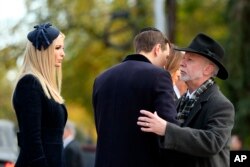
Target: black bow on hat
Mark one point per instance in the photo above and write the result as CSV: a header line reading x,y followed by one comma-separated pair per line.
x,y
209,48
43,35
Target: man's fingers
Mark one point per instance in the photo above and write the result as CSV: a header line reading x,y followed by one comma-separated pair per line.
x,y
145,119
147,113
140,123
146,129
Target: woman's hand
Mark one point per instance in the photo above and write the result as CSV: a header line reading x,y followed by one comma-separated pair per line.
x,y
151,122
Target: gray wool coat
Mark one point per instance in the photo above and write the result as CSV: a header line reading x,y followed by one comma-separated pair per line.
x,y
203,141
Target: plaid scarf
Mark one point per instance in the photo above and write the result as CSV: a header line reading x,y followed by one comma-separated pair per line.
x,y
187,104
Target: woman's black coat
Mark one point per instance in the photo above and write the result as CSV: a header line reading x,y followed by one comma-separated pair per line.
x,y
41,122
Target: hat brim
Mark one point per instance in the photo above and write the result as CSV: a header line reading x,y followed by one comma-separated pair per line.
x,y
222,73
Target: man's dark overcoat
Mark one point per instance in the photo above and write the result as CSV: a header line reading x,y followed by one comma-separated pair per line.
x,y
118,95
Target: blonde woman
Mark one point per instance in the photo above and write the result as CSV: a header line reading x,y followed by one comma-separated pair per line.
x,y
37,99
173,66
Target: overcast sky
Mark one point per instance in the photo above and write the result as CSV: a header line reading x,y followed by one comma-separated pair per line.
x,y
10,12
11,9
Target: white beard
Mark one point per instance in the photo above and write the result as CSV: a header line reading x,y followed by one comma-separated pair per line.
x,y
195,75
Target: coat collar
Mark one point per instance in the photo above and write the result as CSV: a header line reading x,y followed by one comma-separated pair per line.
x,y
136,57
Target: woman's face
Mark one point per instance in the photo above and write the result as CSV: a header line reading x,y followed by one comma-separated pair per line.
x,y
59,50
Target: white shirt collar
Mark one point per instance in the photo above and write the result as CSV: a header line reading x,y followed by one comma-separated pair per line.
x,y
190,94
177,92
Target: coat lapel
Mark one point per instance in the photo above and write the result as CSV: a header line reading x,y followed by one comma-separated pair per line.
x,y
198,105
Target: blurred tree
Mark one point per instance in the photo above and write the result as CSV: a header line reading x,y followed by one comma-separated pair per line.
x,y
171,7
239,65
195,16
8,57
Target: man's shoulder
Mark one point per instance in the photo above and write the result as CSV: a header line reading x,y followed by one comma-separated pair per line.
x,y
216,96
134,66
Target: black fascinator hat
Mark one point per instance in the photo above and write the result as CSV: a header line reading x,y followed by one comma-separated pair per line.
x,y
43,35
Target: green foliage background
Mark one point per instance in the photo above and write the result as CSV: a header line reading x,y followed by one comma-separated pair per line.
x,y
99,34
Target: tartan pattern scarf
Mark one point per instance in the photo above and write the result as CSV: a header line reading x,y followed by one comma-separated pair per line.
x,y
187,104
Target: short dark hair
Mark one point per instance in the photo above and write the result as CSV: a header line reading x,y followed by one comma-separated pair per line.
x,y
147,38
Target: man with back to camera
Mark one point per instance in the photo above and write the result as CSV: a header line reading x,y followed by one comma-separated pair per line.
x,y
139,81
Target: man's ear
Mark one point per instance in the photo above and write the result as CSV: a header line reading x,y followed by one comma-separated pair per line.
x,y
208,70
157,49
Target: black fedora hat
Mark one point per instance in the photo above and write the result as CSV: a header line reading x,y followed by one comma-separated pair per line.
x,y
209,48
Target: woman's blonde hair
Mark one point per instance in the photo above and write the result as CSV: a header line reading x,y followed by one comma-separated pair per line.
x,y
41,64
173,61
